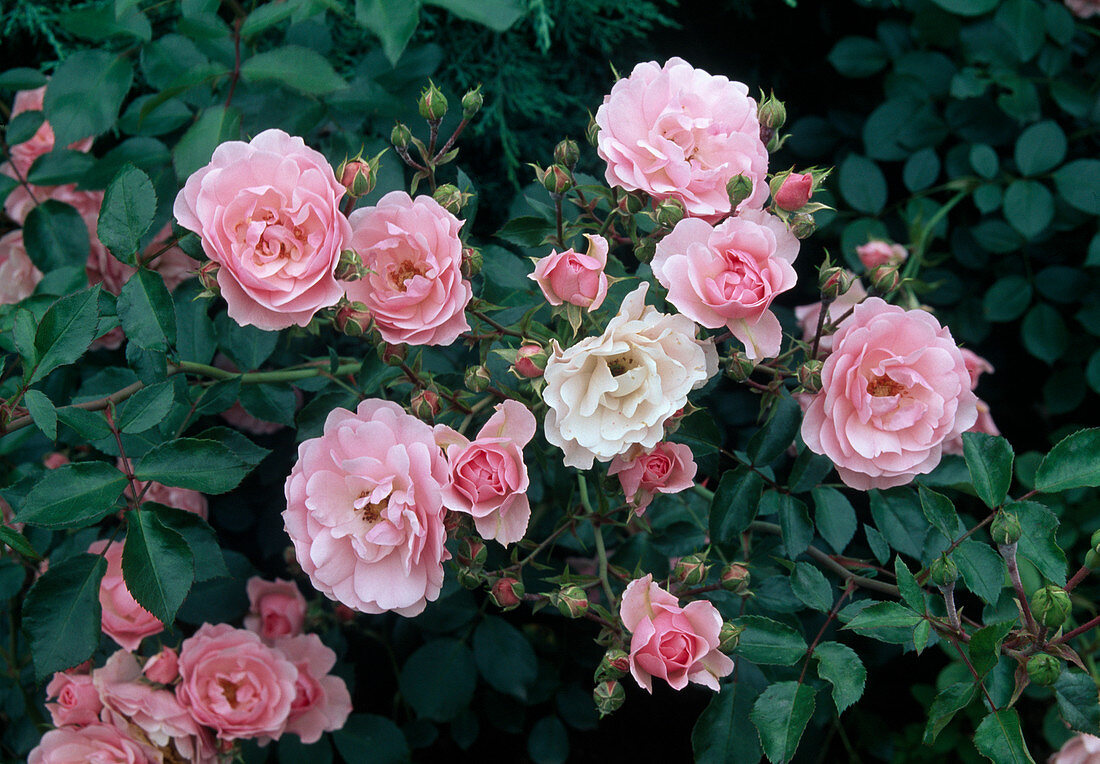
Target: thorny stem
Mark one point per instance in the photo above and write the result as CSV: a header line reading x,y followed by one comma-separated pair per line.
x,y
236,61
821,316
1091,624
601,550
948,592
1078,577
133,499
973,672
558,219
1008,551
499,327
923,575
821,632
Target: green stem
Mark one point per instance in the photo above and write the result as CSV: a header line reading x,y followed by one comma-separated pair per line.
x,y
601,550
917,256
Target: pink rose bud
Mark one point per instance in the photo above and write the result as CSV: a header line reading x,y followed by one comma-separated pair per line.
x,y
350,266
803,225
400,136
425,404
809,375
208,277
76,700
507,593
877,252
163,667
472,260
394,355
884,278
53,460
432,104
276,609
608,696
567,153
571,601
471,102
353,319
834,282
735,578
470,579
574,278
615,664
691,570
555,178
359,176
670,212
729,637
478,379
531,361
795,192
471,552
450,198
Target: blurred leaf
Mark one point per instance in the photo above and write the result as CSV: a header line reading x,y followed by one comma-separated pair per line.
x,y
61,614
1007,299
394,21
301,69
780,714
548,742
498,15
723,733
1044,333
1079,184
504,657
858,56
840,666
438,680
373,733
85,93
862,184
1040,148
1029,207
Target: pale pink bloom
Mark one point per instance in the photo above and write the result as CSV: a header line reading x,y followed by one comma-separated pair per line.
x,y
164,667
20,202
365,509
877,252
808,315
608,393
1079,749
893,390
414,289
77,701
1084,9
975,365
572,277
677,644
727,275
93,744
679,132
54,459
983,424
18,276
268,212
322,702
170,496
488,476
42,142
795,192
124,620
276,609
235,684
666,468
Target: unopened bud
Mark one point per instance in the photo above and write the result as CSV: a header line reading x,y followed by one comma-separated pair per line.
x,y
645,250
471,102
740,367
208,277
670,212
735,578
884,278
772,115
571,601
401,136
470,579
555,179
729,637
809,375
350,266
834,282
531,361
803,225
424,404
609,697
592,131
358,177
432,104
943,571
450,198
1005,528
567,153
471,552
634,202
507,593
353,319
472,261
478,379
614,664
1092,557
1044,669
1051,606
739,188
691,570
393,354
793,191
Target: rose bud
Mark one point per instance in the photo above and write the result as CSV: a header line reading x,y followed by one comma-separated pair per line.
x,y
645,250
353,319
735,578
670,212
794,192
592,131
401,136
471,262
472,552
740,367
884,278
729,637
54,459
470,579
1044,669
691,570
478,379
531,361
1051,606
943,571
555,179
567,153
803,225
208,277
1005,528
609,697
471,102
879,252
614,664
162,667
809,375
450,198
432,104
507,593
834,282
358,177
571,601
349,267
1092,558
772,113
424,404
739,188
393,354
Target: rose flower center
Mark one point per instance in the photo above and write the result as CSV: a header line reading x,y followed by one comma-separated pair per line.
x,y
406,270
884,387
371,512
229,690
621,364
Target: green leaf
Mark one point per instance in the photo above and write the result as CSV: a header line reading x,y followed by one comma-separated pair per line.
x,y
22,78
880,547
907,583
967,7
858,56
129,205
1073,463
526,230
1038,543
157,565
883,615
921,170
17,542
723,732
42,411
794,521
73,496
266,16
89,425
949,702
808,471
769,642
195,339
61,614
984,646
145,408
940,512
900,519
840,666
548,742
1079,184
498,15
810,586
65,331
85,93
735,504
246,346
1007,299
504,657
55,236
835,517
60,166
862,184
301,69
1044,333
1023,21
146,311
373,733
23,126
989,459
1000,739
1040,148
438,680
982,569
238,443
920,636
394,21
777,434
1028,207
269,403
202,465
1077,701
200,537
216,125
780,714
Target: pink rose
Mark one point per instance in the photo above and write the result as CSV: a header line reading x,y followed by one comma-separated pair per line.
x,y
572,277
94,744
276,609
124,620
893,390
414,290
174,265
666,468
727,275
975,366
163,668
20,202
877,252
488,477
54,459
42,142
678,132
234,683
808,315
677,644
795,192
77,700
1084,9
170,496
268,212
322,702
1079,749
365,509
18,276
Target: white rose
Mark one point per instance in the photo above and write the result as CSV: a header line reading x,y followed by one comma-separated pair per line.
x,y
611,392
